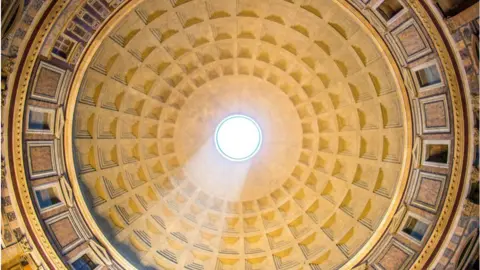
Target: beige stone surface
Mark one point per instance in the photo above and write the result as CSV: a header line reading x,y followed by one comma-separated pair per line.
x,y
310,75
281,134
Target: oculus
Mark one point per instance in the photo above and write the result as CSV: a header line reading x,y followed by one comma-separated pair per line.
x,y
238,137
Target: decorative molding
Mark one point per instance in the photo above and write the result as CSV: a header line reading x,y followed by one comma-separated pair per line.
x,y
25,244
409,83
397,219
374,20
417,152
101,252
59,123
363,266
67,191
460,145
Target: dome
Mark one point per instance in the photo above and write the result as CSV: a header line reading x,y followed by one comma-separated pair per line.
x,y
239,134
321,90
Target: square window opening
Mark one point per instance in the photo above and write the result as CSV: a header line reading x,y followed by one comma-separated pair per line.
x,y
38,120
389,9
84,263
47,197
437,153
415,228
428,76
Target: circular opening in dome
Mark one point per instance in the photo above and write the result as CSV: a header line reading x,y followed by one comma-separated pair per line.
x,y
238,137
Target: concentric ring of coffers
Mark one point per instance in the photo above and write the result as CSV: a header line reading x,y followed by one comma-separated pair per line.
x,y
339,180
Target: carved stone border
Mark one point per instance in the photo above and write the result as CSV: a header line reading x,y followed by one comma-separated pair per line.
x,y
15,139
459,143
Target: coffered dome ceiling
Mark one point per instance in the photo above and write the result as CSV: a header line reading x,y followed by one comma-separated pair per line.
x,y
112,151
311,75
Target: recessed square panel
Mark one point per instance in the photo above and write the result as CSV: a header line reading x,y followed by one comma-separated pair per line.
x,y
64,231
394,255
411,40
434,112
428,191
41,159
48,82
